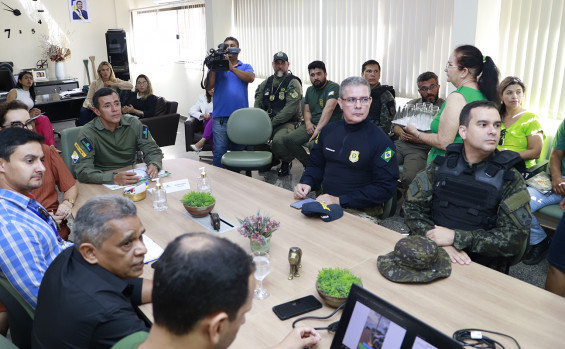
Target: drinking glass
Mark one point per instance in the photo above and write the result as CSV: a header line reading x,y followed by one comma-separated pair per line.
x,y
262,269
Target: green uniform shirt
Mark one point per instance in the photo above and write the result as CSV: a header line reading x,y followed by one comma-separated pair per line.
x,y
293,95
504,240
100,150
317,98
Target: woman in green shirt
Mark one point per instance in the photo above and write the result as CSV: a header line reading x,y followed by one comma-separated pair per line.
x,y
521,130
476,78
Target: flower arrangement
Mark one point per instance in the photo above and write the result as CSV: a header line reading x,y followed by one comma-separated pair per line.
x,y
57,53
257,228
55,46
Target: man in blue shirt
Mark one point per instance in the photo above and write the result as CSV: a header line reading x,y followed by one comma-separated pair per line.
x,y
29,241
230,94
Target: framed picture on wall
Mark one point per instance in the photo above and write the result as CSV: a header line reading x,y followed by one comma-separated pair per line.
x,y
40,75
79,11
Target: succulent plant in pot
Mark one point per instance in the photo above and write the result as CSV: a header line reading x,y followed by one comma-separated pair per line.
x,y
198,204
333,285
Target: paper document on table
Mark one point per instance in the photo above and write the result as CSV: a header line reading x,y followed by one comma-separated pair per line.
x,y
181,184
154,251
140,171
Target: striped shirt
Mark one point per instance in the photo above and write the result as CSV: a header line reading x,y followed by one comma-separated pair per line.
x,y
28,243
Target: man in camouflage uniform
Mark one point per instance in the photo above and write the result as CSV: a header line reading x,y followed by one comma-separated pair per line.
x,y
383,107
280,97
472,202
111,141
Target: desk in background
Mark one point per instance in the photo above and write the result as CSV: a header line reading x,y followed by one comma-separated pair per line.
x,y
60,109
472,297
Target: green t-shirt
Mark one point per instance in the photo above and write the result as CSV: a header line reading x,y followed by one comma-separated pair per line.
x,y
317,99
559,143
133,341
515,136
470,95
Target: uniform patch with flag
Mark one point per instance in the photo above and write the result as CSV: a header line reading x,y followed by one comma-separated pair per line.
x,y
387,154
354,156
74,157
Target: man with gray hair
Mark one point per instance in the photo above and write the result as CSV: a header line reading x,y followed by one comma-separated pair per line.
x,y
353,160
88,293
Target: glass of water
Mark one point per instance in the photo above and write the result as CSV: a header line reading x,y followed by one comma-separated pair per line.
x,y
262,269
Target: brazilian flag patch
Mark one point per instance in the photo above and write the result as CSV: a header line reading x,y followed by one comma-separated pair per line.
x,y
387,155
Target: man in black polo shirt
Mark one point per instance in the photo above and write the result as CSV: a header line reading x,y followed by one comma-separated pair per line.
x,y
88,293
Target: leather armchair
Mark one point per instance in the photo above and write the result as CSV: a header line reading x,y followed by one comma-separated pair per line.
x,y
193,129
164,125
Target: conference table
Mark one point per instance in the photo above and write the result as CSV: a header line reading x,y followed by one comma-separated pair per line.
x,y
472,297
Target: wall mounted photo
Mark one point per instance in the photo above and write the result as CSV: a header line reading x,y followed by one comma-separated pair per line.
x,y
79,11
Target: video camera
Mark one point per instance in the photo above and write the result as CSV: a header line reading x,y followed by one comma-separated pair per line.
x,y
217,61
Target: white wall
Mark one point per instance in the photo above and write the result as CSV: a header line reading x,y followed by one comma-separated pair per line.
x,y
85,39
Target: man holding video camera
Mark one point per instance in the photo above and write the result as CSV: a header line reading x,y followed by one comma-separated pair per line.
x,y
230,93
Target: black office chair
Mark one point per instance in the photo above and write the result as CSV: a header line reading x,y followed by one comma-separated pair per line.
x,y
20,314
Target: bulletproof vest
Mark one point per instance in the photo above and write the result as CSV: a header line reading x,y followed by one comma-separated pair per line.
x,y
468,198
375,108
274,98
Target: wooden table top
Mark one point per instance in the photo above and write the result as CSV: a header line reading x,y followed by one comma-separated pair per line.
x,y
472,297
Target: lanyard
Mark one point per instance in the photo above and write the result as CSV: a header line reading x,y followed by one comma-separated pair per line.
x,y
45,216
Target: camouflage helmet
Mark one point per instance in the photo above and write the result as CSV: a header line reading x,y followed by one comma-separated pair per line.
x,y
415,259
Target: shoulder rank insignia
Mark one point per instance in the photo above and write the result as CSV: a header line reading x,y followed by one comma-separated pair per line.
x,y
387,154
145,133
86,144
321,102
354,156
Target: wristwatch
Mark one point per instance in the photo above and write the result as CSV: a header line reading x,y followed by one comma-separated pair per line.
x,y
71,201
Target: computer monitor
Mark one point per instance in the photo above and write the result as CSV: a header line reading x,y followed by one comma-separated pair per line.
x,y
368,321
6,81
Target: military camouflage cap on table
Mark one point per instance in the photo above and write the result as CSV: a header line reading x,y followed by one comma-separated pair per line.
x,y
280,55
415,259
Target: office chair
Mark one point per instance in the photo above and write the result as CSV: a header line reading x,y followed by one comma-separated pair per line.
x,y
68,138
249,127
20,314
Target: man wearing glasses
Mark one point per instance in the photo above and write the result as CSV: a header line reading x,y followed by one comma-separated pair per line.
x,y
412,153
353,160
56,176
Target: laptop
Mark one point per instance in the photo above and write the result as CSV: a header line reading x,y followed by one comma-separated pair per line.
x,y
369,322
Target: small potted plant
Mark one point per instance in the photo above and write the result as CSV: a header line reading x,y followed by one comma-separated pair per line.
x,y
259,230
333,285
198,204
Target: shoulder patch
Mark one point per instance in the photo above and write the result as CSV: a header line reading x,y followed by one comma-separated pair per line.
x,y
86,144
293,94
145,133
331,93
80,150
387,154
74,157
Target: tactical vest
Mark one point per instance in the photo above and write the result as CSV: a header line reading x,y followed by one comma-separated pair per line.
x,y
468,198
375,108
274,99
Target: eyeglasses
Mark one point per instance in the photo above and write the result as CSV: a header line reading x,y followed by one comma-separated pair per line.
x,y
353,101
30,124
449,65
427,88
502,134
142,82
